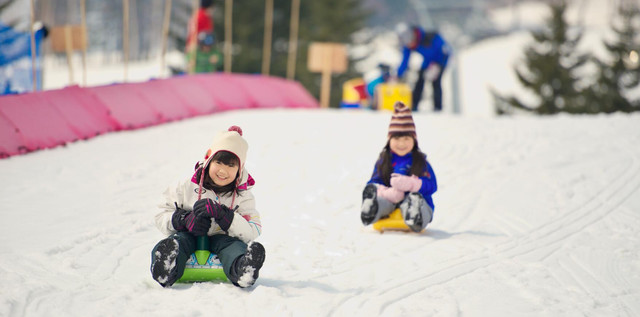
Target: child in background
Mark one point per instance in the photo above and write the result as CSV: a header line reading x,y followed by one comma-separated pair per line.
x,y
207,58
215,202
402,177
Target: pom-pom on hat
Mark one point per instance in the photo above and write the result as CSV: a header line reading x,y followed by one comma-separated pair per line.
x,y
401,120
230,141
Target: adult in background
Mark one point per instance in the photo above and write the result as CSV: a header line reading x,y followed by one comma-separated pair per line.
x,y
435,53
200,26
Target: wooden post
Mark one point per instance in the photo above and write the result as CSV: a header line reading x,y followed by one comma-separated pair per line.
x,y
165,34
83,12
125,36
68,48
228,10
293,39
325,89
268,28
327,58
33,48
193,48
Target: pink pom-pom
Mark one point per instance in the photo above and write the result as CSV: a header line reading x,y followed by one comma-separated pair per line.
x,y
236,128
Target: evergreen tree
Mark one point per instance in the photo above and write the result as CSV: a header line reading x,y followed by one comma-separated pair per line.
x,y
623,74
320,21
551,63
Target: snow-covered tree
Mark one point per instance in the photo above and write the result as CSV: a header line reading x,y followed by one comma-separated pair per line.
x,y
550,68
622,73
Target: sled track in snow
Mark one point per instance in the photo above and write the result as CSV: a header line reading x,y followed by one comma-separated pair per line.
x,y
540,242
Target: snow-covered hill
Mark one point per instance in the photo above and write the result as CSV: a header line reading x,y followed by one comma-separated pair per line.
x,y
534,217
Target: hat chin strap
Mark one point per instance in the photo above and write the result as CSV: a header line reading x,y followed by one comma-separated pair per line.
x,y
201,181
233,200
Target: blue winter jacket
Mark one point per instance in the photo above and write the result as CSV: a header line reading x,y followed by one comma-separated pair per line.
x,y
437,52
402,165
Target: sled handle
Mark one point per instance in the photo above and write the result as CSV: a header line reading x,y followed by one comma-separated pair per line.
x,y
202,250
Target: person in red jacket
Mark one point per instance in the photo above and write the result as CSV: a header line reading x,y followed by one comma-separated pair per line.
x,y
200,23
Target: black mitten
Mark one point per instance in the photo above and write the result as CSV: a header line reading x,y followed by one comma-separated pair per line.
x,y
200,224
196,223
178,220
221,213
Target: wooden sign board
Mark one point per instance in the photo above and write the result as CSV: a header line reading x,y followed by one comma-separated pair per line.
x,y
60,35
327,56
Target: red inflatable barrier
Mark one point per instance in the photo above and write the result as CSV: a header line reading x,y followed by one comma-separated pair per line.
x,y
127,106
84,113
11,142
224,89
41,120
40,125
161,96
293,92
192,95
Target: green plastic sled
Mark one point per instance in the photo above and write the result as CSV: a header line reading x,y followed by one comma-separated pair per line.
x,y
203,266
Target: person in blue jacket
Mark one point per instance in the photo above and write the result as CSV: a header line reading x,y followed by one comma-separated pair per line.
x,y
435,53
402,177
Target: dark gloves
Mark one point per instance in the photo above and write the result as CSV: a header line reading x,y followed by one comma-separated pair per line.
x,y
196,223
221,213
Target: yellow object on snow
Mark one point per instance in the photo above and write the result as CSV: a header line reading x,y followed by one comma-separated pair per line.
x,y
353,94
393,222
387,94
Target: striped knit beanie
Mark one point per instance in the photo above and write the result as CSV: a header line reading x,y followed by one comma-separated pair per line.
x,y
401,120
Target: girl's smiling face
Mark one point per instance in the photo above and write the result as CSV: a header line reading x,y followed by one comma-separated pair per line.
x,y
401,145
223,174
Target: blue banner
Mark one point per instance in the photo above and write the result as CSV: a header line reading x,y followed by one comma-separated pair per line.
x,y
15,60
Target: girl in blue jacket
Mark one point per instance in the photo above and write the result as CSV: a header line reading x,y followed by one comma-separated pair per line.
x,y
402,177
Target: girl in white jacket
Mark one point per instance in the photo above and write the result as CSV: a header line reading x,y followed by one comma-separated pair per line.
x,y
215,202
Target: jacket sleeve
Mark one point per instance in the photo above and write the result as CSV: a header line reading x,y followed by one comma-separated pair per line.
x,y
376,178
406,53
246,224
429,183
172,197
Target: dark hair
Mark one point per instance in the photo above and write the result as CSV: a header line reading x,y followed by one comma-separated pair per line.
x,y
418,164
206,3
226,158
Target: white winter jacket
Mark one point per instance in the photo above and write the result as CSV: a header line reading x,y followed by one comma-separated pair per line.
x,y
246,224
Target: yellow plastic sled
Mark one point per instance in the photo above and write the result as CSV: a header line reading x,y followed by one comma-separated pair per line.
x,y
394,222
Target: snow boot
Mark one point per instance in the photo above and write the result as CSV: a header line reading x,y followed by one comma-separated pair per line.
x,y
163,267
414,209
369,204
245,269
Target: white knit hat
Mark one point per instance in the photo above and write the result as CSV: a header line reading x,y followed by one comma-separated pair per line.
x,y
230,141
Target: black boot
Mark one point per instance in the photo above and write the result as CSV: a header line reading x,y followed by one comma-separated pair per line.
x,y
244,271
412,207
163,266
369,204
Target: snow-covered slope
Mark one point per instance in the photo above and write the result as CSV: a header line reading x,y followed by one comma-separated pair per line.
x,y
534,216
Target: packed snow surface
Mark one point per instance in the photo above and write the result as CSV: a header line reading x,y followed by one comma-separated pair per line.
x,y
533,217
